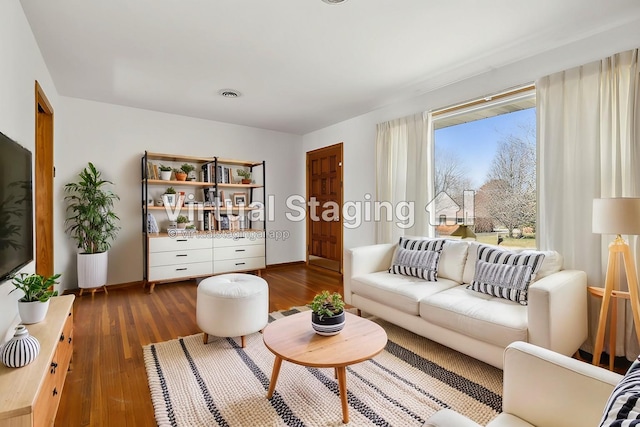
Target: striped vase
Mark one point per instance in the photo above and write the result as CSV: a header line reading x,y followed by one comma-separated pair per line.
x,y
20,350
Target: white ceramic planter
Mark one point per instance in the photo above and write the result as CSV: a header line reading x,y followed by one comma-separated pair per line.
x,y
92,270
32,312
165,175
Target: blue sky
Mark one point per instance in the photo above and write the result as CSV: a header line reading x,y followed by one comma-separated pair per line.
x,y
475,143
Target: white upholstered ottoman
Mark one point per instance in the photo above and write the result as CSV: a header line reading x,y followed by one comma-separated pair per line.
x,y
232,305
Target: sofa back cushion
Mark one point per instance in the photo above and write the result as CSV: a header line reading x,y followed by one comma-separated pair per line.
x,y
552,262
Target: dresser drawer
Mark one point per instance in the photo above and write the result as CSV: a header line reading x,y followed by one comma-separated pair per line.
x,y
46,405
157,259
238,252
237,239
166,244
167,272
244,264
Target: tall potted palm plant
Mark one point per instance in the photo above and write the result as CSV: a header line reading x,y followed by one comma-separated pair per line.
x,y
92,223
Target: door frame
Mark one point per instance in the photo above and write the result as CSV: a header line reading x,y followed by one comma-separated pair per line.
x,y
43,183
339,145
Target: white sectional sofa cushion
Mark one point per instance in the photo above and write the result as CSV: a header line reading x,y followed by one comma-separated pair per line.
x,y
474,323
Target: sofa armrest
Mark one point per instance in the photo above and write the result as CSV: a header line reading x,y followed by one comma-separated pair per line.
x,y
363,260
449,418
549,389
557,313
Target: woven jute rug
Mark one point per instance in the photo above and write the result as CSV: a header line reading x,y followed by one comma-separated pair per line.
x,y
222,384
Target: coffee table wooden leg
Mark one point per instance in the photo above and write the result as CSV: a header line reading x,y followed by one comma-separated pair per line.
x,y
342,385
274,376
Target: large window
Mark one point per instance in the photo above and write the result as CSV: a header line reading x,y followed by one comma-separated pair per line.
x,y
485,168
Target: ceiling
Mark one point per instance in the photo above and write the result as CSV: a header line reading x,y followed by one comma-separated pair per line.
x,y
300,65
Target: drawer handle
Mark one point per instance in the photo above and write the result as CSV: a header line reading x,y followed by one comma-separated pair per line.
x,y
69,315
54,365
181,255
69,340
240,263
238,237
55,391
240,250
181,240
181,269
61,337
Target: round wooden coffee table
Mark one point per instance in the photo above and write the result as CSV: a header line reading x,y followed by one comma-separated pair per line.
x,y
292,338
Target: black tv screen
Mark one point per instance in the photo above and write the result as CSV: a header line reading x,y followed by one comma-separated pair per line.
x,y
16,207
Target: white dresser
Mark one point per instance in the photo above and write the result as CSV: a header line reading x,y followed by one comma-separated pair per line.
x,y
198,255
238,252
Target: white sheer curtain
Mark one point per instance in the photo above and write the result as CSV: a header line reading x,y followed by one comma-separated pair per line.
x,y
588,120
404,161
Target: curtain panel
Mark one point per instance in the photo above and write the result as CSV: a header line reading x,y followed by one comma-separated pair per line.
x,y
404,178
588,148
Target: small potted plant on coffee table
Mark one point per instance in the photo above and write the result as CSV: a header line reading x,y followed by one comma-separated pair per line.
x,y
327,316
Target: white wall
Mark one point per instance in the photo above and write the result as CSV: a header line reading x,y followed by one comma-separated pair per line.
x,y
358,134
21,65
114,139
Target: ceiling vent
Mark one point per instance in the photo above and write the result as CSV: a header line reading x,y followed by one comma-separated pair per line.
x,y
229,93
334,1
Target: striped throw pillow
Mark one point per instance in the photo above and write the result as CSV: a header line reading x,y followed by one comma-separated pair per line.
x,y
623,406
417,258
505,274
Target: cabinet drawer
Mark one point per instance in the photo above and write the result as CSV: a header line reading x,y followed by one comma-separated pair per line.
x,y
167,272
230,265
238,252
237,239
165,244
46,405
157,259
65,345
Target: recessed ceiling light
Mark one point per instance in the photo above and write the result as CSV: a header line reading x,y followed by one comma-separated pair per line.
x,y
334,1
229,93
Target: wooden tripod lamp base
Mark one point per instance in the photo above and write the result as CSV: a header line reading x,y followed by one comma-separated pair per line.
x,y
616,249
616,216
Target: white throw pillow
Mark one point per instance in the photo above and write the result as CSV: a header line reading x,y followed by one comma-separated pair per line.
x,y
417,258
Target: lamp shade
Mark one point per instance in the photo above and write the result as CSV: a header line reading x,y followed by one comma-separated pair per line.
x,y
616,216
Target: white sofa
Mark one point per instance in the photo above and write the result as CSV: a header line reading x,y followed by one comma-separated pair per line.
x,y
473,323
544,388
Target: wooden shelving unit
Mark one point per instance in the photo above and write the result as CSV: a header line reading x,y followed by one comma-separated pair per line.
x,y
176,255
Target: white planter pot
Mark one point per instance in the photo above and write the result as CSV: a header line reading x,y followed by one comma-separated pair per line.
x,y
165,175
32,312
92,270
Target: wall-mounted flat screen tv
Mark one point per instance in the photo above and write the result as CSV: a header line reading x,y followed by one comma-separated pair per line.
x,y
16,207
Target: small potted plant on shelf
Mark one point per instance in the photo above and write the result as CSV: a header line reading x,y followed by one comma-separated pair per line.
x,y
327,313
169,197
37,290
245,175
187,169
180,175
165,172
182,221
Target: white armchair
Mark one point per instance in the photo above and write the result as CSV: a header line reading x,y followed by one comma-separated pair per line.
x,y
544,388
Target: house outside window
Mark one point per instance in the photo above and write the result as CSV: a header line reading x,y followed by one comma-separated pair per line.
x,y
485,156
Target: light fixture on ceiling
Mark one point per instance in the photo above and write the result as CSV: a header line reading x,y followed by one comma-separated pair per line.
x,y
229,93
334,1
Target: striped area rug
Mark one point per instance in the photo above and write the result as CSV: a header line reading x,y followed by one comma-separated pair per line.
x,y
222,384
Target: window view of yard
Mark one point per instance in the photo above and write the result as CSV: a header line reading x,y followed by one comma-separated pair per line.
x,y
486,168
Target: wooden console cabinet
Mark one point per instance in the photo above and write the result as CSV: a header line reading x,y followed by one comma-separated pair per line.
x,y
29,396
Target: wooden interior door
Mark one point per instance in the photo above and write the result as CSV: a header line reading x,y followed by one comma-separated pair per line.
x,y
324,221
43,184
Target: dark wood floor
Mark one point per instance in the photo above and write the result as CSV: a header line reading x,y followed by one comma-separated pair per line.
x,y
108,383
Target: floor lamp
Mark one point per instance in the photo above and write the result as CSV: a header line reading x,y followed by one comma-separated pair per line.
x,y
616,216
